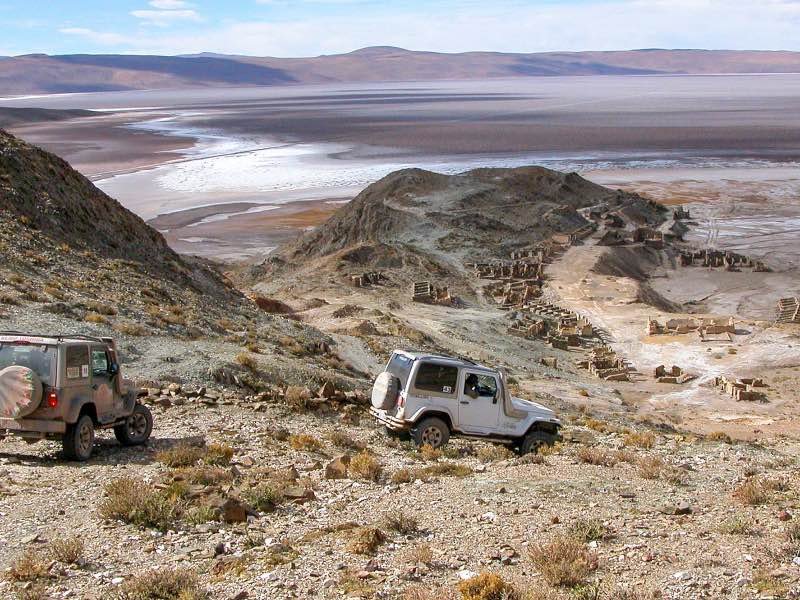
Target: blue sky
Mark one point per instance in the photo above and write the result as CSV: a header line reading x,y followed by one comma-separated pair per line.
x,y
312,27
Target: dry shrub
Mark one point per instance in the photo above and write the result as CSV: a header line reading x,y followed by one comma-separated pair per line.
x,y
248,361
443,470
218,455
588,530
487,586
134,502
342,440
719,436
272,306
563,561
655,468
428,452
494,452
402,524
366,540
643,439
426,592
305,442
633,593
403,475
203,475
67,550
736,525
163,584
752,492
365,466
180,455
419,554
93,317
264,497
100,308
128,328
6,298
597,456
297,397
28,566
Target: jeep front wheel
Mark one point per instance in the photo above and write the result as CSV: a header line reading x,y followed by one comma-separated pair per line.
x,y
78,440
535,440
136,429
431,431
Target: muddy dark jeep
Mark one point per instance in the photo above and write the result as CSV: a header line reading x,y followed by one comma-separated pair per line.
x,y
66,387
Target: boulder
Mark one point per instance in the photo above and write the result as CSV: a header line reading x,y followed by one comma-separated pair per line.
x,y
327,391
234,511
337,468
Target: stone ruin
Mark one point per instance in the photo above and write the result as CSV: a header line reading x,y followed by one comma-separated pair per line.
x,y
717,330
424,291
742,390
673,375
788,310
671,327
367,279
718,259
604,363
649,237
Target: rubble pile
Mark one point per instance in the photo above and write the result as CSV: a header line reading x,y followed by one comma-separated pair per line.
x,y
788,310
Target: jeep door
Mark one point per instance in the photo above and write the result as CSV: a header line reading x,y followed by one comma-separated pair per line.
x,y
102,385
478,402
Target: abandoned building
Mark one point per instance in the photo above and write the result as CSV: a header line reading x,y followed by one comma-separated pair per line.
x,y
367,279
742,390
604,363
424,291
788,310
680,214
731,261
673,375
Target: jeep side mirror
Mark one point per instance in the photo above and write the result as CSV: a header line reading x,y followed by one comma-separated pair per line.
x,y
494,398
113,368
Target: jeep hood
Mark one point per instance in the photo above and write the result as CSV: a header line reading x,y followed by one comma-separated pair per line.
x,y
534,408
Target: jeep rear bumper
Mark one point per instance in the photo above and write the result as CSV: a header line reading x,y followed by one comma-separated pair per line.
x,y
389,421
22,426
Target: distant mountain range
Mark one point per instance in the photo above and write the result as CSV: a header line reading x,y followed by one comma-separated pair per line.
x,y
43,74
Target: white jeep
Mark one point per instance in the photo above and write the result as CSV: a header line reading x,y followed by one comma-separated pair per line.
x,y
433,397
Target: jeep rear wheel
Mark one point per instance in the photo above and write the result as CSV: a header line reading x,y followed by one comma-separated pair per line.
x,y
535,440
78,440
431,431
137,427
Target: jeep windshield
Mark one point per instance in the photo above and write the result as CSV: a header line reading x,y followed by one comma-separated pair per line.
x,y
41,359
400,367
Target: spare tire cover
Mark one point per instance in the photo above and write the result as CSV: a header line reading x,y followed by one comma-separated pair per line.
x,y
384,391
20,392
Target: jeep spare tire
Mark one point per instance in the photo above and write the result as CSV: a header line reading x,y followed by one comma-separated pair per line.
x,y
385,390
20,392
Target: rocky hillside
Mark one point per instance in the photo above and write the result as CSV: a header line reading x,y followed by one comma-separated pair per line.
x,y
438,222
67,245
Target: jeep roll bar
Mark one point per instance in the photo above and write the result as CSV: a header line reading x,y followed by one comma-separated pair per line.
x,y
61,336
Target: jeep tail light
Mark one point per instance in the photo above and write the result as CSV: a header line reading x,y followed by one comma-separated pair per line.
x,y
52,399
400,402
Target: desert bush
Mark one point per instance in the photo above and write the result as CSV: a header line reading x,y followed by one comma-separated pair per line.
x,y
597,456
67,550
132,329
736,525
487,586
494,452
342,440
588,530
297,397
752,492
563,561
402,524
163,584
180,455
719,436
403,475
28,566
202,513
218,455
264,497
305,442
643,439
248,361
366,540
793,535
204,475
419,554
93,317
365,466
100,308
447,469
428,452
134,502
6,298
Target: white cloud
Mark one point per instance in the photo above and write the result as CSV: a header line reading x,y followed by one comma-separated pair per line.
x,y
163,18
97,37
168,4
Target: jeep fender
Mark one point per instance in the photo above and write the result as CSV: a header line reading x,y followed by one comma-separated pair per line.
x,y
544,426
424,413
76,406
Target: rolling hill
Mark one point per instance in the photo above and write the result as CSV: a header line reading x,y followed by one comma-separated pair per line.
x,y
43,74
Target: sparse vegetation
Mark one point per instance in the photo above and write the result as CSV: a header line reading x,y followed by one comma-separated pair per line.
x,y
343,440
640,439
365,466
494,452
163,584
28,566
752,492
264,497
218,455
563,561
181,455
402,523
366,540
134,502
736,525
588,530
305,442
487,586
248,361
67,550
